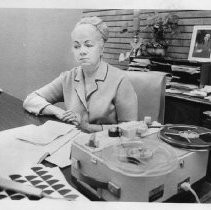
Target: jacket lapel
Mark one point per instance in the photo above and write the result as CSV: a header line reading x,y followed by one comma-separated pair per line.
x,y
100,76
80,83
79,86
92,89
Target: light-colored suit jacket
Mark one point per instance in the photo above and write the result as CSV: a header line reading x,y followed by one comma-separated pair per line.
x,y
110,100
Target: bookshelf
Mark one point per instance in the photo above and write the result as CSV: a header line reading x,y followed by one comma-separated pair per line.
x,y
177,70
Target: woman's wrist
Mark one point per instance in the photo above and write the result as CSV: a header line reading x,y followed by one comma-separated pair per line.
x,y
53,110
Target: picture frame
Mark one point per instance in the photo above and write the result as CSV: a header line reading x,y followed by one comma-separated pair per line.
x,y
200,47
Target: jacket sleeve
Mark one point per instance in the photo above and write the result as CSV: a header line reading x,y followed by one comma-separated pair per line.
x,y
49,94
126,102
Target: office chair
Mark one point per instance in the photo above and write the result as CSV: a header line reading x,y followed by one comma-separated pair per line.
x,y
150,90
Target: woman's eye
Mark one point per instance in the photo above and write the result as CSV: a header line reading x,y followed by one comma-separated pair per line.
x,y
76,46
89,45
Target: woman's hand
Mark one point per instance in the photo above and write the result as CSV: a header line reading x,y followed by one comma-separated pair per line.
x,y
65,116
59,114
82,121
70,116
53,110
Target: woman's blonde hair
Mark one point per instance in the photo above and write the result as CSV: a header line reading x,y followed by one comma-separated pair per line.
x,y
98,23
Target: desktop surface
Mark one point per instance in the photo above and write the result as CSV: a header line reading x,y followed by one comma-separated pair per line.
x,y
13,115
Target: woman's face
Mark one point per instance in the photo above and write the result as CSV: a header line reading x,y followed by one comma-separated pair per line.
x,y
207,37
87,45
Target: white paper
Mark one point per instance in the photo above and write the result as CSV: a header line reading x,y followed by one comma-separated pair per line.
x,y
207,89
46,133
55,171
173,91
17,156
55,174
61,156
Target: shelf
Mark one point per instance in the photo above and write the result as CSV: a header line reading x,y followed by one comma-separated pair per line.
x,y
191,76
170,60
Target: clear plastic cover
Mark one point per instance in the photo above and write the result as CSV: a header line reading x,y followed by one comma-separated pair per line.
x,y
144,158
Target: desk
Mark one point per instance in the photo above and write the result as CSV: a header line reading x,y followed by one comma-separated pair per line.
x,y
185,109
13,115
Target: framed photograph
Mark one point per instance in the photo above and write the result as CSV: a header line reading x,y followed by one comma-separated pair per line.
x,y
200,48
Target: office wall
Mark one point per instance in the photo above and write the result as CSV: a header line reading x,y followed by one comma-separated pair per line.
x,y
120,42
117,42
34,47
179,43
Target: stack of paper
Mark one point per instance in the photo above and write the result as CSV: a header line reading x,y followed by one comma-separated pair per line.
x,y
139,64
44,134
142,61
207,89
60,149
172,90
22,147
142,69
197,93
208,113
187,69
183,86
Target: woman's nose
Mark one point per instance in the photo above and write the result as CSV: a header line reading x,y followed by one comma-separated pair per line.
x,y
83,51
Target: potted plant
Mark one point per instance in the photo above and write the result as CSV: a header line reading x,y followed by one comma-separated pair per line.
x,y
160,25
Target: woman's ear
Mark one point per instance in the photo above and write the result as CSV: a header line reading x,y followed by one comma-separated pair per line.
x,y
102,50
102,47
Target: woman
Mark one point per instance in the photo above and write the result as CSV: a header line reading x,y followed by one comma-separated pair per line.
x,y
96,95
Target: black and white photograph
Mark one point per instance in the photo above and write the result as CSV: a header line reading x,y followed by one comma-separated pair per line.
x,y
200,48
105,106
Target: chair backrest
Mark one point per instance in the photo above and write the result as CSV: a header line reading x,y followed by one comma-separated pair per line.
x,y
150,89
